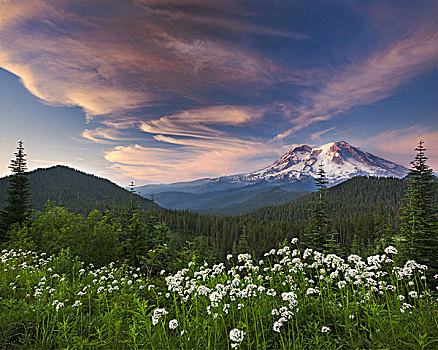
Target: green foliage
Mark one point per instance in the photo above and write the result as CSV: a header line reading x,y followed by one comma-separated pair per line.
x,y
273,196
217,235
359,209
291,300
319,223
77,191
127,236
242,246
17,206
93,238
419,216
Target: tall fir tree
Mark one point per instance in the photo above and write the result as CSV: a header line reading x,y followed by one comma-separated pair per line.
x,y
386,236
319,220
18,193
418,222
242,246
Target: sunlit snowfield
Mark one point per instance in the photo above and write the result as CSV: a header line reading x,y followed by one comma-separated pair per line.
x,y
290,299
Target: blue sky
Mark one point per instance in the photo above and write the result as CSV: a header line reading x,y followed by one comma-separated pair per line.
x,y
163,91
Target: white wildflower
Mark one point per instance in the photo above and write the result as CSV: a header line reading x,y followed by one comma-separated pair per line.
x,y
173,324
271,292
413,294
277,326
391,250
236,335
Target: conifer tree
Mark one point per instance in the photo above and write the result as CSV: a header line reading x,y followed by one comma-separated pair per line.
x,y
332,245
388,236
243,246
18,193
319,220
419,216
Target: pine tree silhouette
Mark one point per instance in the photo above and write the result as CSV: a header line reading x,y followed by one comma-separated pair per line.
x,y
419,215
18,193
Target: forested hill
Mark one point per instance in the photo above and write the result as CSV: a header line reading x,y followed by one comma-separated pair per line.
x,y
357,195
361,209
77,191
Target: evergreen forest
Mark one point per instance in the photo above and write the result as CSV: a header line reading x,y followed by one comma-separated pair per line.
x,y
89,264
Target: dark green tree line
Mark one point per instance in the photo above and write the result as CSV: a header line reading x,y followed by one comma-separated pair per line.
x,y
17,206
418,221
319,223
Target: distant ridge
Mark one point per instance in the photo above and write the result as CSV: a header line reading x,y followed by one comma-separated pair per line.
x,y
76,190
294,171
341,162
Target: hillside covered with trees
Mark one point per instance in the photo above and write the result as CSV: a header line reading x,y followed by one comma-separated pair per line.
x,y
73,189
146,264
361,209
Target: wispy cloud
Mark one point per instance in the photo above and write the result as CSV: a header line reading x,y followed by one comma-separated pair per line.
x,y
197,159
369,79
197,122
316,136
190,145
403,141
400,144
200,83
123,59
103,135
113,130
217,16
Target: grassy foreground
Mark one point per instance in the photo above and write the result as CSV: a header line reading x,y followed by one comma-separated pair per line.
x,y
290,299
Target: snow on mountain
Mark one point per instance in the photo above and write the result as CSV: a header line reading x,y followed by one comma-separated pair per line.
x,y
340,160
299,167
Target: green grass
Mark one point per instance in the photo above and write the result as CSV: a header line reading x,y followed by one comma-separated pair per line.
x,y
291,299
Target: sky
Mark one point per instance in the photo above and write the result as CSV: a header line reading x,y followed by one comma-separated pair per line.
x,y
160,91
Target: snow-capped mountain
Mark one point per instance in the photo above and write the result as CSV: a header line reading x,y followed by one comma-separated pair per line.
x,y
296,168
340,161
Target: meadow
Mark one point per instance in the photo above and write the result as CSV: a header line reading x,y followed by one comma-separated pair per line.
x,y
291,299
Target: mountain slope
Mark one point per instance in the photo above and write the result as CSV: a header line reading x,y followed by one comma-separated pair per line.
x,y
296,169
214,201
359,207
77,191
274,196
347,199
341,162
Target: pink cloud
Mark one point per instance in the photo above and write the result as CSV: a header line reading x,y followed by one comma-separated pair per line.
x,y
400,144
198,122
194,160
369,79
103,135
188,147
316,136
111,64
179,10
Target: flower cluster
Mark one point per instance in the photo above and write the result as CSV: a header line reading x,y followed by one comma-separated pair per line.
x,y
288,277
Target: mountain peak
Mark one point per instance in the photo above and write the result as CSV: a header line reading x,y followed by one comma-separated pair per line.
x,y
341,161
302,148
296,169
